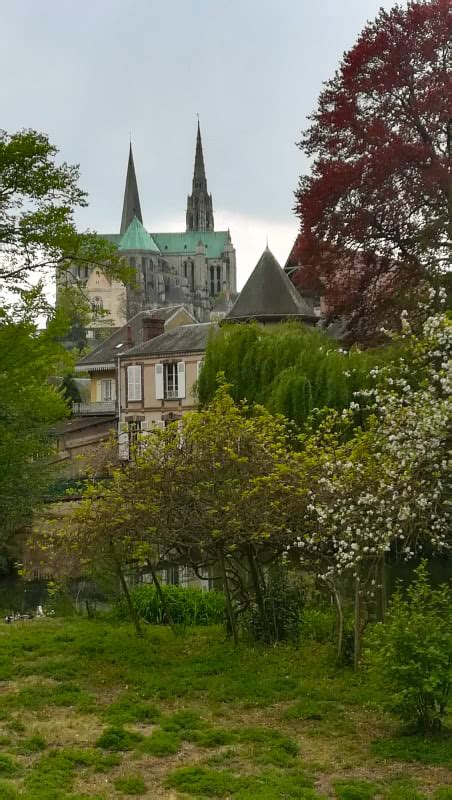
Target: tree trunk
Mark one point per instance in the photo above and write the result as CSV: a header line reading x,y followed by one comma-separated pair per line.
x,y
259,596
132,610
161,595
384,589
357,645
339,619
227,592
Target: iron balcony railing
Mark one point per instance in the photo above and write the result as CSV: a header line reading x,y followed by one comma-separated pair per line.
x,y
101,407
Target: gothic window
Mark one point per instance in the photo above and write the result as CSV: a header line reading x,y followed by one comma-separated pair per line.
x,y
97,304
228,273
185,269
192,276
212,281
218,279
132,261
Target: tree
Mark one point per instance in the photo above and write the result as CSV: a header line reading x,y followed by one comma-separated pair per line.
x,y
376,211
28,406
385,488
290,369
205,493
37,202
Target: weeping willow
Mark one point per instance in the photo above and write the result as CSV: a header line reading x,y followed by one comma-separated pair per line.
x,y
289,368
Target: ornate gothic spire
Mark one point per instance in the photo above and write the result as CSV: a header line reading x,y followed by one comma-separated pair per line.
x,y
131,207
199,203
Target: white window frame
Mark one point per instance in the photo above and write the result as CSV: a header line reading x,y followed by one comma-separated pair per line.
x,y
134,387
170,380
106,391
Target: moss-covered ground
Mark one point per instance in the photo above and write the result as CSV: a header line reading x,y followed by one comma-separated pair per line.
x,y
89,711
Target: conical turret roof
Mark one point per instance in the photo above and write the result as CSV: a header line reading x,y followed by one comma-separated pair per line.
x,y
131,207
269,295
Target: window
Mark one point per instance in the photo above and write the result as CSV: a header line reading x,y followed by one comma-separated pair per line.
x,y
134,382
212,281
106,392
218,279
89,333
97,304
171,381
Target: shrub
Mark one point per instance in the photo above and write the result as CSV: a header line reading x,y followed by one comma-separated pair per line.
x,y
186,606
283,600
8,792
318,624
412,652
161,743
355,789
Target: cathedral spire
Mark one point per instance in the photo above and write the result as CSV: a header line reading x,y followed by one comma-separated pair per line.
x,y
199,173
199,203
131,206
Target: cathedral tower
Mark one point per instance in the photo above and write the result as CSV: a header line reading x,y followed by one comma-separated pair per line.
x,y
131,207
199,203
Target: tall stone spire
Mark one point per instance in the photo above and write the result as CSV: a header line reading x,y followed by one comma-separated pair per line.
x,y
199,203
131,207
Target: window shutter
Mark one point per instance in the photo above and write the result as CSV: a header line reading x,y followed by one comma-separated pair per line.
x,y
199,366
123,445
134,382
159,394
181,379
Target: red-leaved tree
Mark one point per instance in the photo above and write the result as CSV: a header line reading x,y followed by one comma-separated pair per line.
x,y
376,210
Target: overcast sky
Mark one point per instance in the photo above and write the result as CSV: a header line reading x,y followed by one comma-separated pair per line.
x,y
87,72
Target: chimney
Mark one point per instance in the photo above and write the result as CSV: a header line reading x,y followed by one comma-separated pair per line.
x,y
152,327
129,336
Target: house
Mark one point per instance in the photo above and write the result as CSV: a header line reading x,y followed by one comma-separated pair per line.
x,y
157,379
101,364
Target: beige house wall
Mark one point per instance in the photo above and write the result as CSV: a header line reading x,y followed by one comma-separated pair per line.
x,y
113,296
96,384
151,408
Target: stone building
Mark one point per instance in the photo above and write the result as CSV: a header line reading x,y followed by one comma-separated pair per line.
x,y
190,268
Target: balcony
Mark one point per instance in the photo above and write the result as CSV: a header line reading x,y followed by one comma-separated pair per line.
x,y
99,408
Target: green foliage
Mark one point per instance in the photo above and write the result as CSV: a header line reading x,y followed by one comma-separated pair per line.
x,y
404,789
53,774
130,784
318,624
8,767
129,710
181,721
38,198
8,792
187,606
444,793
34,744
28,406
412,652
283,601
356,789
290,369
118,739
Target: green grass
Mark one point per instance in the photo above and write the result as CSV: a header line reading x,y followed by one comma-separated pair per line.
x,y
130,785
437,751
356,789
88,711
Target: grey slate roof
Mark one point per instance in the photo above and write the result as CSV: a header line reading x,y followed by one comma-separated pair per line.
x,y
184,339
269,294
109,349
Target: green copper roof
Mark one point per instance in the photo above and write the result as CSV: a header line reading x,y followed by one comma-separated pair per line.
x,y
172,243
136,237
183,243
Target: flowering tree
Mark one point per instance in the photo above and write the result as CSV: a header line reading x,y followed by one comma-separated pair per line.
x,y
386,485
376,211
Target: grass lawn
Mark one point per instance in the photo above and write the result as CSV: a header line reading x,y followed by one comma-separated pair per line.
x,y
88,711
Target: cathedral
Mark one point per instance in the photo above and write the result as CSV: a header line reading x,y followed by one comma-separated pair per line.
x,y
196,268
